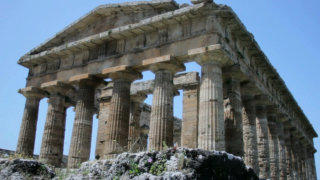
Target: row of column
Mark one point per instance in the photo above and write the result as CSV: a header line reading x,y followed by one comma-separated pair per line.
x,y
53,136
243,128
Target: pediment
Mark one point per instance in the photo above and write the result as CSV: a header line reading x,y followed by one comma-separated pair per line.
x,y
107,17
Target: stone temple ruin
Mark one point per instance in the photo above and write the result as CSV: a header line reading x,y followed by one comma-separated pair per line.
x,y
239,105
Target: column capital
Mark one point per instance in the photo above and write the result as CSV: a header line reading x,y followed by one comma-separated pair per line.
x,y
130,75
262,100
248,89
210,54
272,110
206,61
173,67
32,91
233,73
139,97
105,99
86,80
57,87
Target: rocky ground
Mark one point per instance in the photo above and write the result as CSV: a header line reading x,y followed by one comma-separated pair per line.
x,y
169,164
17,169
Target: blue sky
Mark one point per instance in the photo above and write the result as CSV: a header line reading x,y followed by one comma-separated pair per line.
x,y
287,31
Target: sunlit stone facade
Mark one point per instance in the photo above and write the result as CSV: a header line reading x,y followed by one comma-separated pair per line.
x,y
238,102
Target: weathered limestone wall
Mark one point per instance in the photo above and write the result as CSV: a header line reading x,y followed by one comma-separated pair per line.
x,y
104,108
189,131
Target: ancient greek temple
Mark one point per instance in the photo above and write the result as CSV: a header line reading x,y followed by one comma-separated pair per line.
x,y
238,103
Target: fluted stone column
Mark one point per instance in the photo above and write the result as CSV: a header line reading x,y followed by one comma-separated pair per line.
x,y
304,161
104,111
282,152
288,153
250,134
161,122
82,127
263,142
312,170
307,164
134,122
118,123
233,117
189,129
28,126
294,158
273,145
211,134
53,134
299,160
297,157
302,158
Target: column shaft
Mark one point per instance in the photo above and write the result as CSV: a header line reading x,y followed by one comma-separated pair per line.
x,y
189,130
288,153
250,135
82,127
161,122
298,159
211,134
53,135
304,162
118,122
282,152
313,168
28,127
104,111
294,159
273,147
263,142
233,118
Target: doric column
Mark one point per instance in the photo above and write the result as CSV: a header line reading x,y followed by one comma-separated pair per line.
x,y
295,161
312,167
161,121
82,126
304,161
53,135
189,129
233,116
307,163
117,129
104,111
282,152
263,142
250,134
299,159
211,134
134,122
288,153
273,143
28,126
